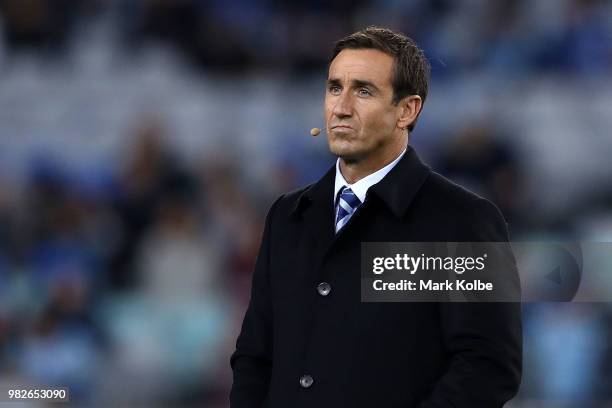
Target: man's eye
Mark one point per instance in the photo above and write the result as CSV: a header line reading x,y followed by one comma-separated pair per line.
x,y
364,92
334,89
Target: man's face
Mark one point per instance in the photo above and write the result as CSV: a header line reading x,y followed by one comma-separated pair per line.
x,y
361,119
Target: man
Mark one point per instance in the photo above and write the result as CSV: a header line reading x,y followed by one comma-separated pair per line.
x,y
307,340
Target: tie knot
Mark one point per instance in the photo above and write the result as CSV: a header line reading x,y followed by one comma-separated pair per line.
x,y
348,196
347,204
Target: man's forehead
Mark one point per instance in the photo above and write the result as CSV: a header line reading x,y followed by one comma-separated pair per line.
x,y
362,64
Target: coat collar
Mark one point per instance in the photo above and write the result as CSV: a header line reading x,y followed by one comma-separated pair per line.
x,y
401,185
396,190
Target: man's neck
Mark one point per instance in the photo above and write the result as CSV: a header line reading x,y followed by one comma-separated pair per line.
x,y
355,170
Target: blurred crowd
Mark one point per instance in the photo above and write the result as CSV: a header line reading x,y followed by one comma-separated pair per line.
x,y
506,36
125,261
129,282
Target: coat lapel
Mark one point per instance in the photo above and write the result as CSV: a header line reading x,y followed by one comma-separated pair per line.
x,y
316,209
397,190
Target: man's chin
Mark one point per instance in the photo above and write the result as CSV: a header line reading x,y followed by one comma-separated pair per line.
x,y
347,155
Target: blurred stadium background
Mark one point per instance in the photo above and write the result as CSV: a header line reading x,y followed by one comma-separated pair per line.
x,y
141,142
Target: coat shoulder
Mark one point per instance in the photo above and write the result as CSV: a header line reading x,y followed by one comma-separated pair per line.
x,y
465,208
450,192
287,202
293,196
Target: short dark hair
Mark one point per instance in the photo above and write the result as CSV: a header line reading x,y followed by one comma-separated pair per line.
x,y
411,69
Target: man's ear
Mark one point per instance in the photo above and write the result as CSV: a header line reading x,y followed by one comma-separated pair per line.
x,y
410,107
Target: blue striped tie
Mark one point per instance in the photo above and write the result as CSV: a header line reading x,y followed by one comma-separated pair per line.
x,y
347,204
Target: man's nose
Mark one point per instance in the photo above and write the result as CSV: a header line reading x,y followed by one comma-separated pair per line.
x,y
344,105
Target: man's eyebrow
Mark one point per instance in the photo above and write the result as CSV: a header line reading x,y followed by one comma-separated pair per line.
x,y
359,83
355,83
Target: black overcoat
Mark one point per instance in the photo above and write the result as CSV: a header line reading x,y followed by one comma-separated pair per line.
x,y
299,348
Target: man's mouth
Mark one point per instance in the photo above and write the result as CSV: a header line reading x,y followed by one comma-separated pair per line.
x,y
341,127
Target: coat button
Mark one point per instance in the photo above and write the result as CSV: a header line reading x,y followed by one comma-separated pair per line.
x,y
323,288
306,381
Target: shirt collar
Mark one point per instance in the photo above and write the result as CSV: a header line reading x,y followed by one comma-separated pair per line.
x,y
360,188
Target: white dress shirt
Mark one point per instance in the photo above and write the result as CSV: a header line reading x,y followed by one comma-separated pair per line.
x,y
360,188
